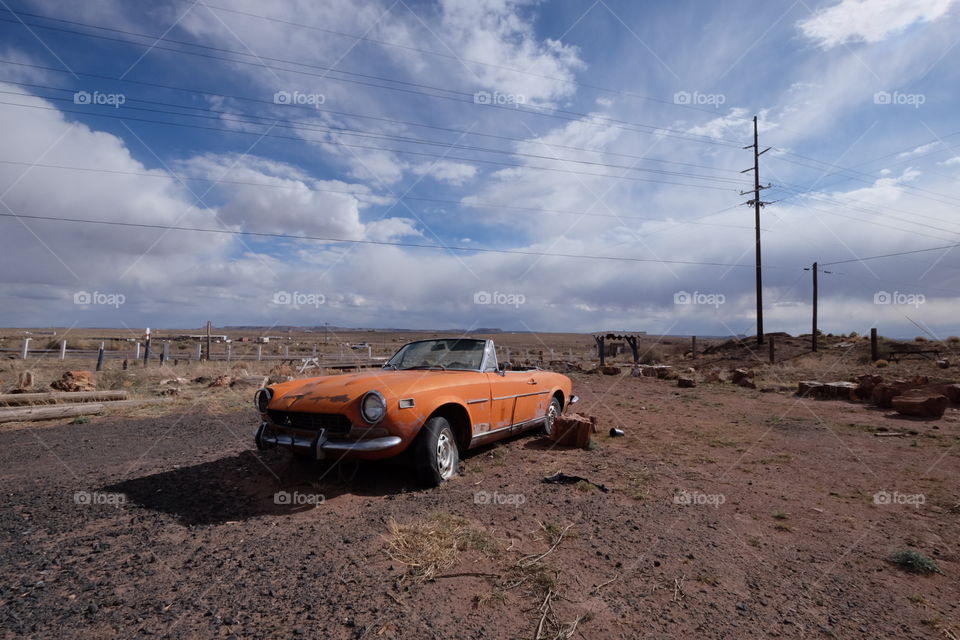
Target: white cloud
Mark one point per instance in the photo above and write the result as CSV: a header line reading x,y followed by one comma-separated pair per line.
x,y
918,150
869,20
455,173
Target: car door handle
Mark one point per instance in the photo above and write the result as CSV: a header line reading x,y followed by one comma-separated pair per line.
x,y
531,381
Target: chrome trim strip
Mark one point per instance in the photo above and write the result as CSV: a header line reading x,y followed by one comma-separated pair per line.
x,y
482,438
373,444
478,400
522,395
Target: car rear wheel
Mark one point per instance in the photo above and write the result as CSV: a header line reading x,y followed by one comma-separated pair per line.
x,y
436,456
553,412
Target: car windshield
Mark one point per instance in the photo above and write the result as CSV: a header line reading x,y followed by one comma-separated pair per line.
x,y
455,353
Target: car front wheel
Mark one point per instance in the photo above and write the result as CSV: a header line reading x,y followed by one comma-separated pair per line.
x,y
553,412
436,455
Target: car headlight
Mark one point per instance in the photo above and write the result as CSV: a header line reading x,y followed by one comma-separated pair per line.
x,y
262,398
373,407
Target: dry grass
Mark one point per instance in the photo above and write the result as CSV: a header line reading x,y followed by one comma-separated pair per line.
x,y
433,545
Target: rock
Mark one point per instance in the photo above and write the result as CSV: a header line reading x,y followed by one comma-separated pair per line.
x,y
747,383
921,406
608,370
808,388
25,380
221,381
952,391
572,430
686,383
253,382
739,375
943,364
884,393
839,391
865,385
662,370
168,391
75,381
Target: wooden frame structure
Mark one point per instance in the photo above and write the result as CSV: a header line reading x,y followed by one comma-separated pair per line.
x,y
630,337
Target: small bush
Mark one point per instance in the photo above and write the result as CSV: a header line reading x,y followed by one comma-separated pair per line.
x,y
854,334
880,364
913,561
653,355
954,339
920,339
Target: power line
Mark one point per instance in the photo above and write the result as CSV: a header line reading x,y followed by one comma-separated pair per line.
x,y
451,56
892,255
363,194
285,124
366,147
456,95
316,108
286,236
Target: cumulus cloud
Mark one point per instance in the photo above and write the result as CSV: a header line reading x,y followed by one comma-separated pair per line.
x,y
869,21
455,173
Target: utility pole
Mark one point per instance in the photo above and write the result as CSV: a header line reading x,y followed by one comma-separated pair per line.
x,y
757,204
208,340
813,336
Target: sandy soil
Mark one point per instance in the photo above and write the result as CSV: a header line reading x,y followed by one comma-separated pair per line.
x,y
731,513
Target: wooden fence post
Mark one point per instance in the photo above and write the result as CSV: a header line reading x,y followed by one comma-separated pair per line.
x,y
199,351
146,354
63,349
771,349
26,348
693,346
136,355
100,358
259,352
874,347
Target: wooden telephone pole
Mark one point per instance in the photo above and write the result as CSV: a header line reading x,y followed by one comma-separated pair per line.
x,y
813,335
757,204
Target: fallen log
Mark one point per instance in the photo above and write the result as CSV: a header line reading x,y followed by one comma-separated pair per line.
x,y
57,397
32,414
54,412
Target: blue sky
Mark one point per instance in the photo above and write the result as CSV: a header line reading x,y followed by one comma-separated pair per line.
x,y
616,131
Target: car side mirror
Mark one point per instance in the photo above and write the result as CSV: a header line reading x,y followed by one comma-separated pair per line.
x,y
504,366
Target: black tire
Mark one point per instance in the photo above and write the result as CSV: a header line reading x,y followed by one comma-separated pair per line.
x,y
553,411
435,456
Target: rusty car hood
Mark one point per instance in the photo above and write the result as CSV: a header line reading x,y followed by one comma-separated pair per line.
x,y
333,393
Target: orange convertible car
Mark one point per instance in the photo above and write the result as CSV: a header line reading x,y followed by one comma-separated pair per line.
x,y
435,398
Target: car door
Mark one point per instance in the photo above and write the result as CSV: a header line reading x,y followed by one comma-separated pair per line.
x,y
532,395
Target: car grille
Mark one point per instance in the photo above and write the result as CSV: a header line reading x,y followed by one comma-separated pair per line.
x,y
332,422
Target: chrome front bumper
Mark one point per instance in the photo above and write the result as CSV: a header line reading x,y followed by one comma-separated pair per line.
x,y
320,444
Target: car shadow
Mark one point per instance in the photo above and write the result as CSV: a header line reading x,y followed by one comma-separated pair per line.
x,y
252,484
